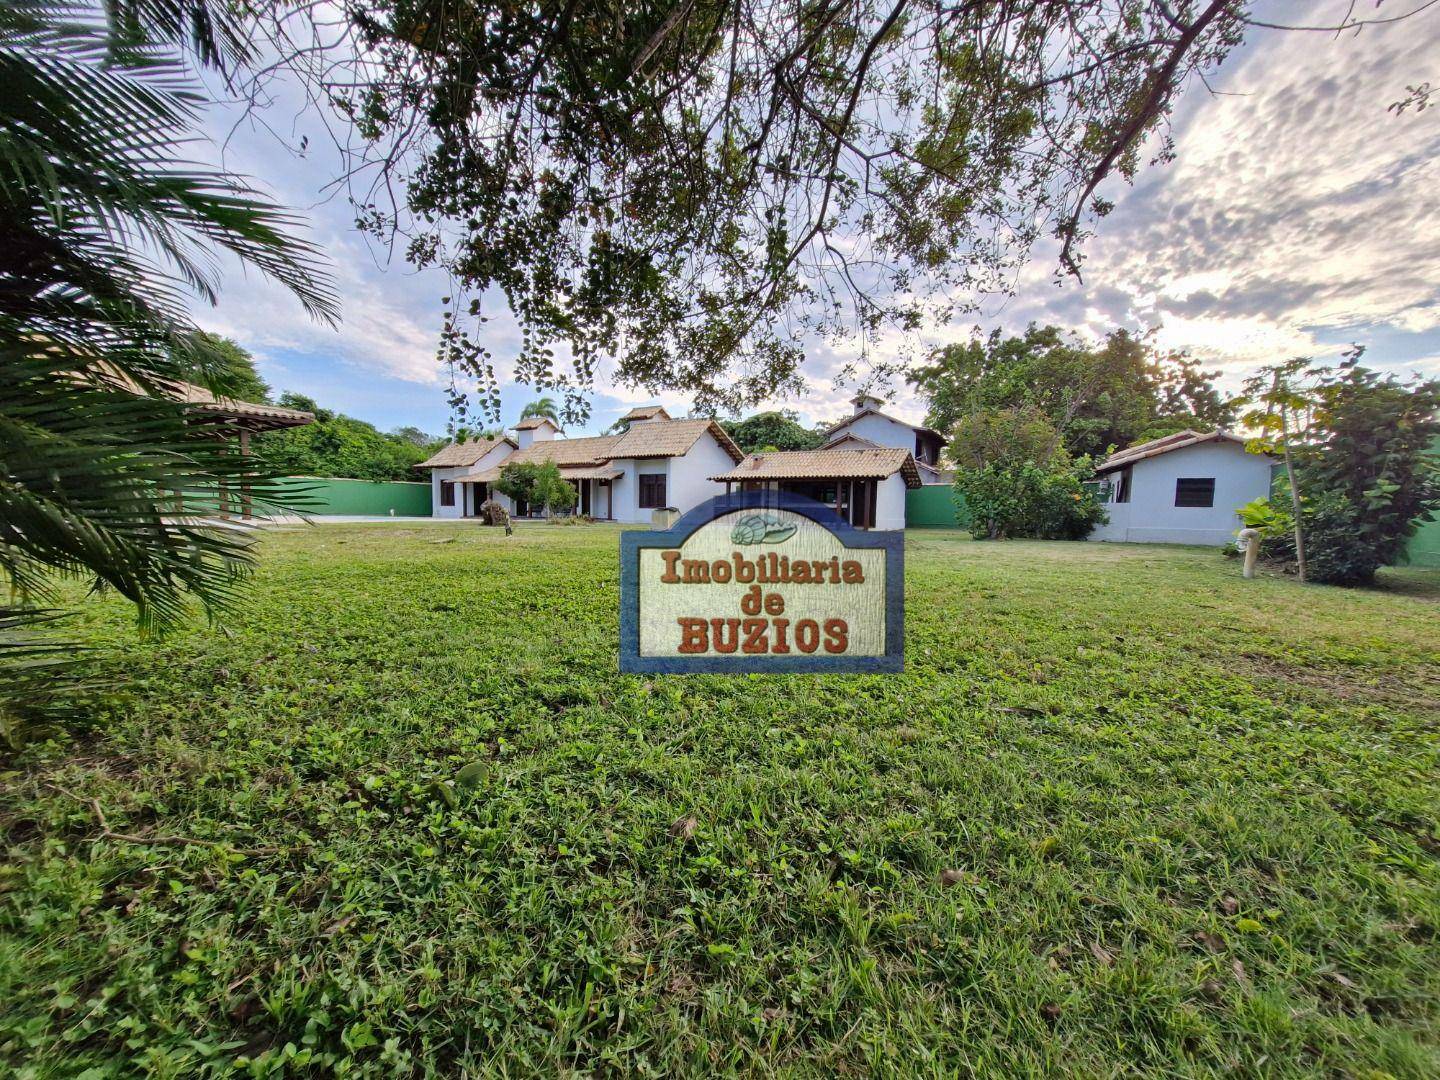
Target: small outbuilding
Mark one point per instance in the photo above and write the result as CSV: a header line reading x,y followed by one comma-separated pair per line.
x,y
1183,488
865,485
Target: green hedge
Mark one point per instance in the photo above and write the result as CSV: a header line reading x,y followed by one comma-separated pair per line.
x,y
334,495
935,506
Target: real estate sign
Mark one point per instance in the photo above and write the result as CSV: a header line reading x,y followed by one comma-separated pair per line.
x,y
761,582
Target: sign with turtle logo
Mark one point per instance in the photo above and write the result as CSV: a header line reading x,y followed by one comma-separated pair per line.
x,y
761,581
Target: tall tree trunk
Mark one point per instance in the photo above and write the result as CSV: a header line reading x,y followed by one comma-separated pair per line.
x,y
1294,496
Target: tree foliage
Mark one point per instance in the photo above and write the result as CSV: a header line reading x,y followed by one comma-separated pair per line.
x,y
695,187
104,473
234,374
1016,478
1096,397
545,407
779,430
1361,451
539,485
339,445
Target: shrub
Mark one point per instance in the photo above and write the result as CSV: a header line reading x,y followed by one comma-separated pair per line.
x,y
1359,445
1338,551
538,485
1043,502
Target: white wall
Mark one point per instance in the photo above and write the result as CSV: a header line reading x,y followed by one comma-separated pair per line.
x,y
496,454
1151,516
436,475
690,482
890,502
880,431
626,489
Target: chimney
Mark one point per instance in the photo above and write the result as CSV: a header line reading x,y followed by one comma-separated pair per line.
x,y
865,401
534,429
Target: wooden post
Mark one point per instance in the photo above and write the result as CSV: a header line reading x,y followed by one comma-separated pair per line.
x,y
245,505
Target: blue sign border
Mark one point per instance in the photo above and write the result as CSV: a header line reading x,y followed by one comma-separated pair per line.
x,y
893,543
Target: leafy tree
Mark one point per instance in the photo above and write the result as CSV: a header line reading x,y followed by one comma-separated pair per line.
x,y
1017,480
1359,448
1005,436
339,445
537,484
1282,405
552,491
415,437
779,430
233,372
1097,397
695,186
1186,392
517,481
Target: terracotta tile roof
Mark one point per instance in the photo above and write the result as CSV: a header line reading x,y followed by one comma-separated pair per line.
x,y
590,472
863,464
1163,445
646,412
462,453
884,416
535,422
671,438
591,451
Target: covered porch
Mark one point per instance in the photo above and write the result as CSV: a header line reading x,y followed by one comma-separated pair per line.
x,y
594,492
865,486
853,499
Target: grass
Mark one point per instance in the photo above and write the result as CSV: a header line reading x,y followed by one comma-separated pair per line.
x,y
1123,813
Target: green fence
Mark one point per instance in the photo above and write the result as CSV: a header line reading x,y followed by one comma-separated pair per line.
x,y
1423,548
935,506
334,495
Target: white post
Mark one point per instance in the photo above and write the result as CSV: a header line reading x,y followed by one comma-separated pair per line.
x,y
1252,550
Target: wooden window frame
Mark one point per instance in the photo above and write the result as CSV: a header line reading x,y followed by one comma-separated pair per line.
x,y
647,483
1195,492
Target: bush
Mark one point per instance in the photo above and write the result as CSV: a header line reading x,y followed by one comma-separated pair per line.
x,y
1337,551
1029,500
539,485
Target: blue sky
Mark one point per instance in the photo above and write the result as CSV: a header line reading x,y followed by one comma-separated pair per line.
x,y
1299,216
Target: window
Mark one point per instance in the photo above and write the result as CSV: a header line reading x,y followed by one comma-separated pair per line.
x,y
447,493
1122,493
1195,491
652,490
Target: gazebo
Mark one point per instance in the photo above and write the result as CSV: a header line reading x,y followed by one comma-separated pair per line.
x,y
231,416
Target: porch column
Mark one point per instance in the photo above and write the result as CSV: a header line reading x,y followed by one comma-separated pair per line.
x,y
245,505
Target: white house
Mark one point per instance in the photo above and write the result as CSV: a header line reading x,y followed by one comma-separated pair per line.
x,y
868,427
658,462
1181,489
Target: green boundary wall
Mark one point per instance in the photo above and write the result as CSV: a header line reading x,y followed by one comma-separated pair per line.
x,y
1423,549
935,506
337,495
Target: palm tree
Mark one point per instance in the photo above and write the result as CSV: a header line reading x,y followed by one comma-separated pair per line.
x,y
545,407
104,474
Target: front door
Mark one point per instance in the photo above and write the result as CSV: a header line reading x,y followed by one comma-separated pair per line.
x,y
585,497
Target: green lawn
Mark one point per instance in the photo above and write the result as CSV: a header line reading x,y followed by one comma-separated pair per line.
x,y
1123,813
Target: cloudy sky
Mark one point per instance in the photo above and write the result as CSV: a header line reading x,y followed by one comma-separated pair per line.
x,y
1299,216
